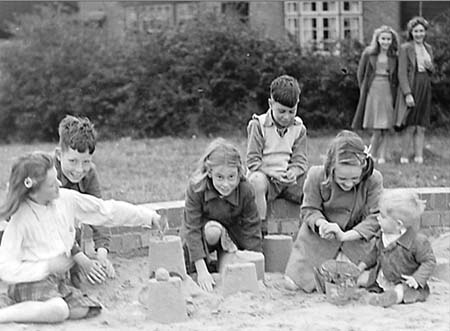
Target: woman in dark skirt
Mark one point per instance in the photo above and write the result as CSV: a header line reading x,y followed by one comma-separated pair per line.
x,y
413,103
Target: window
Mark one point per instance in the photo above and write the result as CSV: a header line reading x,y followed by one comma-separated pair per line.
x,y
319,24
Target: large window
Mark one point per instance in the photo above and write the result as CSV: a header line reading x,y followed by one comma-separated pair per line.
x,y
319,24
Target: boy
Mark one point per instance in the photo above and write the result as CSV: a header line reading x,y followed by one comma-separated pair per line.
x,y
403,258
276,150
75,170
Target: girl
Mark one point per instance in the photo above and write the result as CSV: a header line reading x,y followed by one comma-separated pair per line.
x,y
36,245
337,213
220,212
413,104
404,258
377,80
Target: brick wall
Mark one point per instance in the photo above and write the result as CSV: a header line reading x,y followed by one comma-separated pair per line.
x,y
377,13
282,218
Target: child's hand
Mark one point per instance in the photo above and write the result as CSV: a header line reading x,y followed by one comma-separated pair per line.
x,y
91,269
428,64
410,281
107,266
59,264
205,281
409,100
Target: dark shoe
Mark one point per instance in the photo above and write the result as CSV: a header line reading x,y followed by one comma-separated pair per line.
x,y
386,299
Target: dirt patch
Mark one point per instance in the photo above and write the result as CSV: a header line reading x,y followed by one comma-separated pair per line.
x,y
273,308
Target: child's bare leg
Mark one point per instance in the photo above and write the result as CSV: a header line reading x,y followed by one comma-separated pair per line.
x,y
383,145
54,310
260,184
419,142
375,143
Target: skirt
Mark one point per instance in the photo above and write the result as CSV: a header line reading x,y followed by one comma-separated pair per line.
x,y
420,114
379,109
53,287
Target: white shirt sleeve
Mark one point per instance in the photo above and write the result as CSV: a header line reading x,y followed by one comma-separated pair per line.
x,y
91,210
12,268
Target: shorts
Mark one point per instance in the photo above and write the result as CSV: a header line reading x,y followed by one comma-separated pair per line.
x,y
293,192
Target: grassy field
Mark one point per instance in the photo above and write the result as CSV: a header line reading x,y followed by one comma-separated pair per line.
x,y
153,170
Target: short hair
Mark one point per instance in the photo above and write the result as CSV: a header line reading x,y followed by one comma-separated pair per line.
x,y
77,133
403,204
413,22
285,90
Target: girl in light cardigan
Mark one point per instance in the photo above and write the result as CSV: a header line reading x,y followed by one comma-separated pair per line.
x,y
35,248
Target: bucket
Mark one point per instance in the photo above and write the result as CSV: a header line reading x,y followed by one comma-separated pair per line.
x,y
340,279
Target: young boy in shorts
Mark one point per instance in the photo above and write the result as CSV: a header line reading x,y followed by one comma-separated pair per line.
x,y
277,146
76,171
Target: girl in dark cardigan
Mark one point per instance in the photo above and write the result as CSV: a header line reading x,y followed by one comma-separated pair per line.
x,y
377,79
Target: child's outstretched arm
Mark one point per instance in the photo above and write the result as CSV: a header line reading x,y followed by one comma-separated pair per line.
x,y
94,211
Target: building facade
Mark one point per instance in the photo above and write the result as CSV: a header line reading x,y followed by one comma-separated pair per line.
x,y
312,24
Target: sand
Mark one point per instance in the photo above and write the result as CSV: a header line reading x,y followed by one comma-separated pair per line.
x,y
273,308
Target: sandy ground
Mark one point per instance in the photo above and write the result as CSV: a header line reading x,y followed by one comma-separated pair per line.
x,y
273,308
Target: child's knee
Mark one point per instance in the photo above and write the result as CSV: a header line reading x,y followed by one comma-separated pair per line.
x,y
212,231
259,181
59,310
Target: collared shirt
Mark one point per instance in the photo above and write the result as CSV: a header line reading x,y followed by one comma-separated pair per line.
x,y
271,151
411,255
236,212
36,233
89,184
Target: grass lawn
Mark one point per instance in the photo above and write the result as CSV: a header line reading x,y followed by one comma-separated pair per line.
x,y
153,170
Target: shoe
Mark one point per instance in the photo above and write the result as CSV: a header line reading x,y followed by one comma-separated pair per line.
x,y
404,160
386,299
381,160
418,159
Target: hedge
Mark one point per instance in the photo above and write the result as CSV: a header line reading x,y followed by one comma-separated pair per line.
x,y
204,77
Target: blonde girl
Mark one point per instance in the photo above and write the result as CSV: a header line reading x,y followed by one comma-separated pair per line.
x,y
377,80
220,211
35,248
404,257
338,212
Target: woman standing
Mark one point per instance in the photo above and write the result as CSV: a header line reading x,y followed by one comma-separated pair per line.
x,y
377,79
414,96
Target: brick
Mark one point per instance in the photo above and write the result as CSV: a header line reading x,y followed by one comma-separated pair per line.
x,y
164,300
130,242
290,227
445,218
273,226
281,208
442,270
167,253
430,218
440,201
115,244
239,277
277,249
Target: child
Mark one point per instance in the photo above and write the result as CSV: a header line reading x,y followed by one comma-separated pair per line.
x,y
337,213
220,212
276,151
377,79
35,249
73,162
404,258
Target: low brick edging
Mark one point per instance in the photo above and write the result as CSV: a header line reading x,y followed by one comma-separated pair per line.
x,y
283,218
